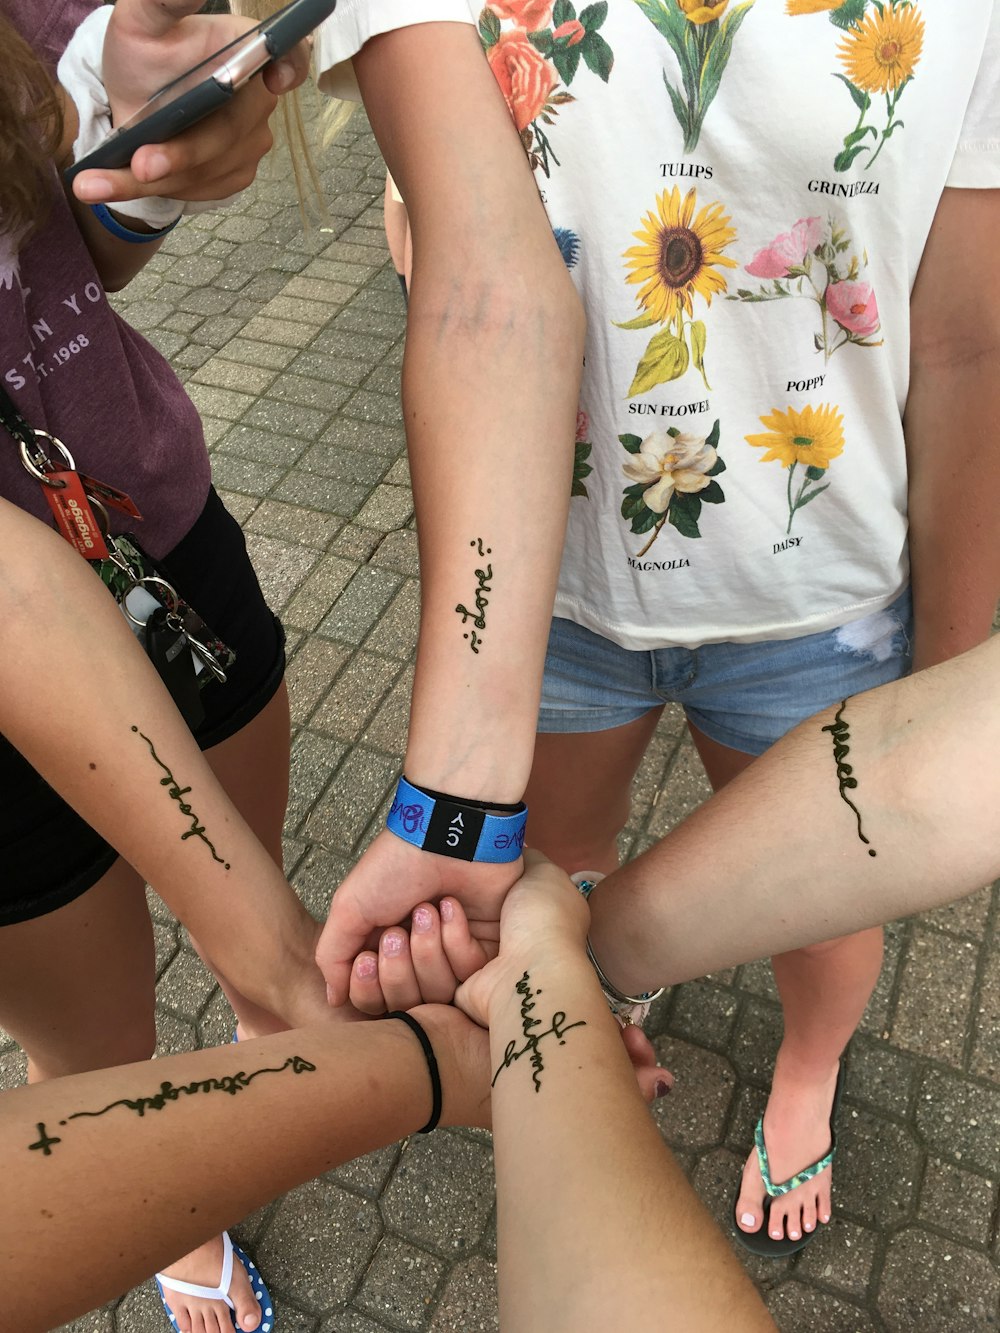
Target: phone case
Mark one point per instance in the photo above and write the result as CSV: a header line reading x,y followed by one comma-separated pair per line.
x,y
281,32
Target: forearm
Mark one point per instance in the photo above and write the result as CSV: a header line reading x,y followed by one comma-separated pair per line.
x,y
108,1154
597,1227
775,860
953,448
490,384
107,737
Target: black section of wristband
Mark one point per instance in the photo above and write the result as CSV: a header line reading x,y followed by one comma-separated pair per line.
x,y
468,802
432,1066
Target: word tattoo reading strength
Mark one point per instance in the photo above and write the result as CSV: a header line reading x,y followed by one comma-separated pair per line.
x,y
532,1040
840,732
177,794
478,617
228,1083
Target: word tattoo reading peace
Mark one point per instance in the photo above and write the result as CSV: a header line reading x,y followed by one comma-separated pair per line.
x,y
228,1083
840,732
177,794
532,1039
478,617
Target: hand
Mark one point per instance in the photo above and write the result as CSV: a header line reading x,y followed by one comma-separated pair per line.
x,y
389,881
150,42
424,964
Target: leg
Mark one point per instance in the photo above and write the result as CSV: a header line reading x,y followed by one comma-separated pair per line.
x,y
824,989
579,792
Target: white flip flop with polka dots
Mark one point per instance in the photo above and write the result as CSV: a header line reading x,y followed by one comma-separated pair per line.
x,y
221,1292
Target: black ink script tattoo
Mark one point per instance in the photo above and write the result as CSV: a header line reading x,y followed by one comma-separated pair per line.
x,y
228,1083
478,617
532,1039
177,794
840,732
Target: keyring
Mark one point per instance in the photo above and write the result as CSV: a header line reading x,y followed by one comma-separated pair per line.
x,y
31,465
141,583
101,514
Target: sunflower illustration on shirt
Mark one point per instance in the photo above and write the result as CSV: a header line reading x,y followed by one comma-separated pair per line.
x,y
679,259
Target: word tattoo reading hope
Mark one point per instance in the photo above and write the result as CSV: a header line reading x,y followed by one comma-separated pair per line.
x,y
177,794
478,617
228,1083
532,1039
840,732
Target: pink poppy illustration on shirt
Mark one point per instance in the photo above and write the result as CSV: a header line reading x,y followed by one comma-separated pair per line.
x,y
535,48
817,261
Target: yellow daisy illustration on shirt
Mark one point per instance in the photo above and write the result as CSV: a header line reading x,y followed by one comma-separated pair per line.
x,y
810,437
678,260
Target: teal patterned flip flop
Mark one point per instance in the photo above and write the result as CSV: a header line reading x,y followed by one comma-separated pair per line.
x,y
760,1242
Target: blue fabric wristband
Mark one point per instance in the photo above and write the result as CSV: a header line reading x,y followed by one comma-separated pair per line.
x,y
111,224
449,827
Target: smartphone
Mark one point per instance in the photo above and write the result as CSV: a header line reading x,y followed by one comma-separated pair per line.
x,y
209,85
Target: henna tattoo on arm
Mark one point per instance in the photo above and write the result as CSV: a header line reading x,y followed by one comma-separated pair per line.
x,y
532,1040
840,732
478,617
227,1083
177,793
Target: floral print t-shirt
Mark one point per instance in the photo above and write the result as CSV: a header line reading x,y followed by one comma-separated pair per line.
x,y
742,191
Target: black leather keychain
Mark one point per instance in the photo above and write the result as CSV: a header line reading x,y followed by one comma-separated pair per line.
x,y
169,651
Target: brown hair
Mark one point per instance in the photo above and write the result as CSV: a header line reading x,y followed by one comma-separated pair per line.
x,y
31,127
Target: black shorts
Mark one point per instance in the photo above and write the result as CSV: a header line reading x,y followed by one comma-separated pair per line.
x,y
48,854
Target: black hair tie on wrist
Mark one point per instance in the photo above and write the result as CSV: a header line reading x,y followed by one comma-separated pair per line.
x,y
432,1066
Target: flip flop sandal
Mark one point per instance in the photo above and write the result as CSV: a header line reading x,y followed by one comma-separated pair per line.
x,y
760,1242
221,1292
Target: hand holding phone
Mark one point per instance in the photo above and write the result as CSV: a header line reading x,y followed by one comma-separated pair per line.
x,y
152,41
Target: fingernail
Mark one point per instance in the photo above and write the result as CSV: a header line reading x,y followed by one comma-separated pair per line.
x,y
92,189
392,945
748,1219
447,910
284,76
662,1087
422,919
156,166
366,968
329,995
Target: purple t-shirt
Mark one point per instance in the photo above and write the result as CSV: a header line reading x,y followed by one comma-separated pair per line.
x,y
75,368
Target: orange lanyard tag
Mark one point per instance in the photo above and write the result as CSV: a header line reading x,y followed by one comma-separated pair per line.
x,y
73,514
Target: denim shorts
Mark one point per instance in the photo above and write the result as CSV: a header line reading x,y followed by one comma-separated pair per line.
x,y
742,695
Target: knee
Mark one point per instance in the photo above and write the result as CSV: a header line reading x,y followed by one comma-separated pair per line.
x,y
131,1041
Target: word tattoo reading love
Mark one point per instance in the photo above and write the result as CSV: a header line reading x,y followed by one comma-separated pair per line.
x,y
478,617
230,1084
532,1039
177,794
841,735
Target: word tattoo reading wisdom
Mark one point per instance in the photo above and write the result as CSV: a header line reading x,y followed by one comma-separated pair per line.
x,y
840,732
177,794
532,1039
228,1083
478,617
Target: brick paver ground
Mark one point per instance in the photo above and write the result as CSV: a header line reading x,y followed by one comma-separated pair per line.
x,y
290,344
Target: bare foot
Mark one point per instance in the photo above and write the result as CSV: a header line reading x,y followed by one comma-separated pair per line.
x,y
193,1314
796,1134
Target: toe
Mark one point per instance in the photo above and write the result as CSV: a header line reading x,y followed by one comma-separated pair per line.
x,y
824,1209
750,1204
182,1313
248,1311
809,1214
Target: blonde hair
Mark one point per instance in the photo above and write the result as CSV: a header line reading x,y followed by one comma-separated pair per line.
x,y
31,129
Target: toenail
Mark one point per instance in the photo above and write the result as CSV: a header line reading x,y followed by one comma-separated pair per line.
x,y
826,1217
776,1235
662,1088
748,1219
794,1235
422,919
392,945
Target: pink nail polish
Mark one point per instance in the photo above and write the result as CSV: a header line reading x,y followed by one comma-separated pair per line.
x,y
366,968
447,910
422,919
392,945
